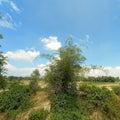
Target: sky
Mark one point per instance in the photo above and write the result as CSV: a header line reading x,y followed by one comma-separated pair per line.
x,y
34,27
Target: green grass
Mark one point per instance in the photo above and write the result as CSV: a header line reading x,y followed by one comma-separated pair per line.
x,y
108,85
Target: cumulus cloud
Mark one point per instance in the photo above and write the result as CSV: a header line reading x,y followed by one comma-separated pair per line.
x,y
12,5
106,71
28,56
51,43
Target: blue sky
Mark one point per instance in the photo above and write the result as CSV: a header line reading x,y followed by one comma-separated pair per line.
x,y
31,28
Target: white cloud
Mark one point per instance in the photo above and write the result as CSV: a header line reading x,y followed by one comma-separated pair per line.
x,y
7,21
12,4
24,71
7,24
28,56
15,71
106,71
51,43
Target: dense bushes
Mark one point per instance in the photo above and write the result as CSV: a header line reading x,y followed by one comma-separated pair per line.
x,y
116,90
3,82
66,107
100,98
38,115
15,100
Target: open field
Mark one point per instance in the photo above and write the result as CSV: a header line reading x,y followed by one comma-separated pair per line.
x,y
108,85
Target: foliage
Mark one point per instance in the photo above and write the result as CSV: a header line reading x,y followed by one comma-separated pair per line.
x,y
63,72
2,70
35,76
67,115
100,98
101,79
66,107
3,82
15,100
62,101
116,90
40,114
2,67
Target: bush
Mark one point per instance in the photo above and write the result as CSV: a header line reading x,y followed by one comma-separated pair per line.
x,y
62,102
33,86
3,82
38,115
102,99
69,115
66,107
101,79
15,100
116,90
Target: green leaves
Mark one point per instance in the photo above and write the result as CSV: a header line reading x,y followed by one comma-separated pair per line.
x,y
63,72
33,85
14,98
40,114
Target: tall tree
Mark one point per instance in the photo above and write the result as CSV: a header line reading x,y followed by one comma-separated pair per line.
x,y
2,68
63,72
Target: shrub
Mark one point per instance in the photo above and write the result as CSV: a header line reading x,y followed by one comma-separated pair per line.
x,y
66,107
3,82
38,115
116,90
102,99
75,114
33,85
62,102
15,100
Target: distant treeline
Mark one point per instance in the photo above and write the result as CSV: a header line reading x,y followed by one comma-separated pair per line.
x,y
101,79
17,78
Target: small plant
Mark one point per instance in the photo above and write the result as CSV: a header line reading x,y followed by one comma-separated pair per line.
x,y
40,114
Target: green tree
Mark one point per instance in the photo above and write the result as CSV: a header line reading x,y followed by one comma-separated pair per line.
x,y
35,76
2,67
63,72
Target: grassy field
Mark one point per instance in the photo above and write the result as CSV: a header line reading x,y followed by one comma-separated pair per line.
x,y
108,85
41,99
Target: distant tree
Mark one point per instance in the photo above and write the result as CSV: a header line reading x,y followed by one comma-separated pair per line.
x,y
63,72
35,76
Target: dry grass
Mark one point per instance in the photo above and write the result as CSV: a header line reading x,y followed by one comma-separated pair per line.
x,y
41,100
41,83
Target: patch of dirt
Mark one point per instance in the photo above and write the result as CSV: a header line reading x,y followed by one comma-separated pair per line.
x,y
97,115
40,100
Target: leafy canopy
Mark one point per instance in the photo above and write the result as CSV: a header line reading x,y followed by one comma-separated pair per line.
x,y
63,72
